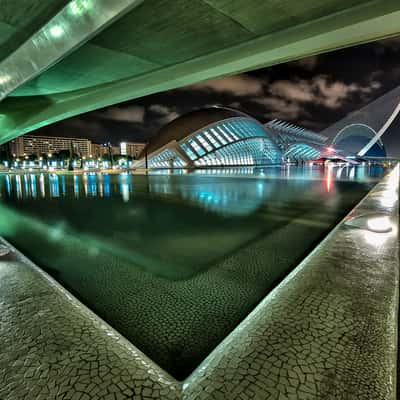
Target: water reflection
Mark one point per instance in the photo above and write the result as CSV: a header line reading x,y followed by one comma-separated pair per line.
x,y
125,186
148,236
33,186
76,186
106,185
227,199
8,185
91,184
42,186
54,186
328,178
18,186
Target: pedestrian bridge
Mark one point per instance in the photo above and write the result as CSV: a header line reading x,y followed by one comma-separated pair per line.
x,y
60,58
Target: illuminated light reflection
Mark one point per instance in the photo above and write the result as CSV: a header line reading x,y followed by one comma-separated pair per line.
x,y
379,224
388,199
8,184
33,186
85,184
328,179
76,186
18,186
92,184
107,189
125,192
374,239
54,186
26,185
42,186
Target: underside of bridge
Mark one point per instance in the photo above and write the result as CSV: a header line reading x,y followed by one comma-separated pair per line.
x,y
60,58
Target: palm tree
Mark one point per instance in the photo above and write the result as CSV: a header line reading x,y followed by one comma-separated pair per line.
x,y
71,156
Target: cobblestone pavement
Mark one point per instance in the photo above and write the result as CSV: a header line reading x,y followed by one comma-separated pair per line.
x,y
328,331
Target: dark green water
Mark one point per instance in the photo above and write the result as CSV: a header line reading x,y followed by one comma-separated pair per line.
x,y
175,262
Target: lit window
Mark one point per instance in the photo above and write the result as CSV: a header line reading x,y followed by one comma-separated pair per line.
x,y
197,148
204,142
211,138
188,151
223,132
233,133
219,136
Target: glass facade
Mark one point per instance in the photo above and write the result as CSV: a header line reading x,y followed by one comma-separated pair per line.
x,y
253,151
237,141
168,158
240,141
300,152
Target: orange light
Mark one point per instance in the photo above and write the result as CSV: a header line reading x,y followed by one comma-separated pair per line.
x,y
328,181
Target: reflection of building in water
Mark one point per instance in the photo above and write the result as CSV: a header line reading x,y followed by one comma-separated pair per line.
x,y
76,186
91,183
226,198
125,186
54,185
29,144
42,186
8,185
33,186
106,183
18,186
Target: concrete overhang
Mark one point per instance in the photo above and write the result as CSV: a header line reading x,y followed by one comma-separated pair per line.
x,y
155,46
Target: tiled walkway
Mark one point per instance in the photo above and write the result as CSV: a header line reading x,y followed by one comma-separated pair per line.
x,y
328,331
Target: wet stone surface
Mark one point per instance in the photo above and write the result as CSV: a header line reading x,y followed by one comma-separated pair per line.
x,y
54,348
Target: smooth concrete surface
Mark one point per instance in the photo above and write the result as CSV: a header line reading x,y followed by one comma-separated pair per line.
x,y
74,25
328,331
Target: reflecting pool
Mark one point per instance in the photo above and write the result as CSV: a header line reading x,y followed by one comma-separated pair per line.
x,y
175,261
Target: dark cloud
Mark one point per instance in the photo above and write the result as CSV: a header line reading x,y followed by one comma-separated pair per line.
x,y
309,63
124,114
237,85
313,92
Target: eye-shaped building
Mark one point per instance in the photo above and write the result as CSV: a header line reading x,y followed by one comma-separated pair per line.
x,y
221,136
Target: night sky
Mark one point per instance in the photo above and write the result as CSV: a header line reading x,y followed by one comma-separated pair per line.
x,y
314,92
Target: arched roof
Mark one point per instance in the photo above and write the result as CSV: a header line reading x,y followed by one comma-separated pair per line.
x,y
190,122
